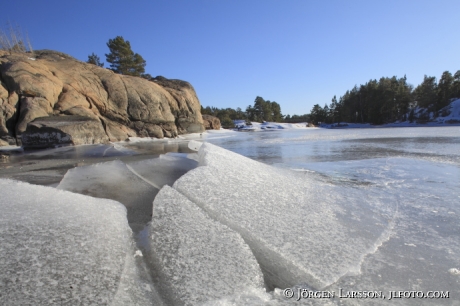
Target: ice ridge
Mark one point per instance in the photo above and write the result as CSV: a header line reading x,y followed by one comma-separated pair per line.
x,y
199,260
300,230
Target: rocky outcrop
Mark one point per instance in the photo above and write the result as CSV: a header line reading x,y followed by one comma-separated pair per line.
x,y
211,122
53,84
50,131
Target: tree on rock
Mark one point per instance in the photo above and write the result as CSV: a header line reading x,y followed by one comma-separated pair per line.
x,y
95,60
122,59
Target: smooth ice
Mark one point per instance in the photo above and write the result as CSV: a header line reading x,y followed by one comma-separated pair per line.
x,y
164,170
134,184
198,259
60,248
423,246
114,180
300,229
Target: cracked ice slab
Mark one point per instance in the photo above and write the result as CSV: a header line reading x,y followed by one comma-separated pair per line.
x,y
300,228
164,170
198,259
57,247
113,180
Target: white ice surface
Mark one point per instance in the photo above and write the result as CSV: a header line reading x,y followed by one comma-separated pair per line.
x,y
424,242
300,229
199,260
60,248
136,286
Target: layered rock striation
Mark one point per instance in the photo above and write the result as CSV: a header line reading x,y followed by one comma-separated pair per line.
x,y
88,104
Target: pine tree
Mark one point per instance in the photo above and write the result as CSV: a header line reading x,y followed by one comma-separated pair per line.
x,y
122,59
445,88
95,60
456,85
317,114
259,103
276,112
426,92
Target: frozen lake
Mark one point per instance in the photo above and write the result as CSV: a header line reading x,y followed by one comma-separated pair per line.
x,y
391,195
419,167
293,148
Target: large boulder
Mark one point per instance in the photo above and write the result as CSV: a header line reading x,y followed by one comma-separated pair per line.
x,y
50,83
211,122
185,104
50,131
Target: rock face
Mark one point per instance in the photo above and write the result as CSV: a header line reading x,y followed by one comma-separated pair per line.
x,y
49,131
211,122
53,84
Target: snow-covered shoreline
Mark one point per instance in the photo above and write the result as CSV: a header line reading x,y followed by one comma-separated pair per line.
x,y
451,118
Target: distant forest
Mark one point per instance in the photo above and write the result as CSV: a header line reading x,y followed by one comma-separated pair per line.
x,y
389,100
376,102
261,111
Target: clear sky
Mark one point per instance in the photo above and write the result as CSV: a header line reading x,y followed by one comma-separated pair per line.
x,y
297,53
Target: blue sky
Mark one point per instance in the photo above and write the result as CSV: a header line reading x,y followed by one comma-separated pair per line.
x,y
297,53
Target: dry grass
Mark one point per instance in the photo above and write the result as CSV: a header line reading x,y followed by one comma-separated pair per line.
x,y
13,40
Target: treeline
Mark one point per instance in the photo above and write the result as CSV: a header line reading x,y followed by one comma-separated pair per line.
x,y
261,111
388,100
225,115
264,111
297,118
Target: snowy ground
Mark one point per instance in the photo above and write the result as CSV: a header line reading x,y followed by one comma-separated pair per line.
x,y
266,126
451,117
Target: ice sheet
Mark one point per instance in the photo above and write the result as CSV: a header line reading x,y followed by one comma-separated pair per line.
x,y
164,170
82,151
198,259
113,180
136,286
58,247
300,229
424,245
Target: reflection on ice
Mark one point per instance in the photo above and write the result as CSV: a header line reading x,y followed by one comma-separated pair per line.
x,y
113,180
164,170
84,151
